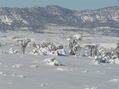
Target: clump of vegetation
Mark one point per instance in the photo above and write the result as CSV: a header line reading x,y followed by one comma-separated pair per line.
x,y
48,48
74,44
24,44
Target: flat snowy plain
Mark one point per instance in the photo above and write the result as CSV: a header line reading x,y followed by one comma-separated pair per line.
x,y
18,71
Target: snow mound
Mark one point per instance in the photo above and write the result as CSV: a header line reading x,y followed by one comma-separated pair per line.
x,y
17,66
63,69
92,88
17,75
114,80
34,66
77,36
52,62
2,73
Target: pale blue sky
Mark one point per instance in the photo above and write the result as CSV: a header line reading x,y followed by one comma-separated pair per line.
x,y
71,4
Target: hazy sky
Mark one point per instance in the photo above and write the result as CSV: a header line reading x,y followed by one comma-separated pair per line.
x,y
72,4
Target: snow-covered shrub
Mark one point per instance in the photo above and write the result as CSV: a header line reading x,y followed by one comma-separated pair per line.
x,y
107,59
61,52
102,56
36,45
48,48
2,43
101,59
13,51
23,44
91,49
35,51
116,51
74,44
107,56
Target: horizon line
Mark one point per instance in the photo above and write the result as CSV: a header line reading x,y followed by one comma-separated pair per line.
x,y
43,6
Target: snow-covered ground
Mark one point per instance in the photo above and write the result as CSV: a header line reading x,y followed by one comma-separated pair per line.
x,y
26,71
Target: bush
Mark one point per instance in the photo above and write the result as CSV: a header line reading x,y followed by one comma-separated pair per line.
x,y
74,44
23,44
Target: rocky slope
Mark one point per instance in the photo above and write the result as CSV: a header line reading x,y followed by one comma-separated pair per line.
x,y
36,18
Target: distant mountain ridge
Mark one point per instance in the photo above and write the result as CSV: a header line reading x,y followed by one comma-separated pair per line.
x,y
39,17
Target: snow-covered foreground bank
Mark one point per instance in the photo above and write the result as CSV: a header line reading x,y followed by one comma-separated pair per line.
x,y
39,71
33,72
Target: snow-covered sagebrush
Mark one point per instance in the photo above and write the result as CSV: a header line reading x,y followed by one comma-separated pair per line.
x,y
74,47
48,48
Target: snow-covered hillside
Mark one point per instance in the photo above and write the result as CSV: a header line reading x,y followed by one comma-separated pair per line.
x,y
37,18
